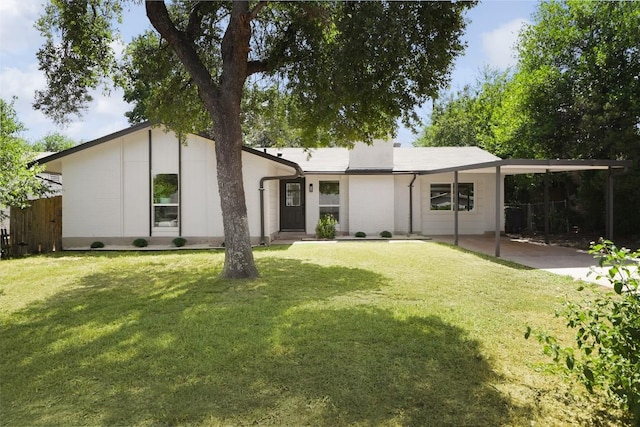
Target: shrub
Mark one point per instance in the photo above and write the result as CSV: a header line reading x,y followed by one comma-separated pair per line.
x,y
361,234
140,243
97,245
607,332
179,242
326,228
386,234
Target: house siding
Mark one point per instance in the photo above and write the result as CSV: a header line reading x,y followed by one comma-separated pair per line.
x,y
107,192
478,221
371,203
401,203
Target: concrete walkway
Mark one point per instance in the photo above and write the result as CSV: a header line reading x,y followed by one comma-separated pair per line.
x,y
555,259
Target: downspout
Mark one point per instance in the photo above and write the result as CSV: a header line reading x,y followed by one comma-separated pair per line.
x,y
415,175
298,174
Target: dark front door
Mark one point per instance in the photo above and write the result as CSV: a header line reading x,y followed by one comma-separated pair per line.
x,y
292,205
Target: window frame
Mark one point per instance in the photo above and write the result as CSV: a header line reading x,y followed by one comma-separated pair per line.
x,y
160,202
329,205
471,197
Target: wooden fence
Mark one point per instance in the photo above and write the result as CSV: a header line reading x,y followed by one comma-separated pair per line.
x,y
36,229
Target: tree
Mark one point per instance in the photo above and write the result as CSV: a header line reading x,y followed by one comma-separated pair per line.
x,y
54,142
475,116
350,70
579,64
18,181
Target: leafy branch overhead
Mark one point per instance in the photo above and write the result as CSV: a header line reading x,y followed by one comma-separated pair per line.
x,y
349,70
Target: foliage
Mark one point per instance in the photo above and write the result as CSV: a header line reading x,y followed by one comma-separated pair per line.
x,y
326,227
54,142
179,242
140,243
607,332
386,234
473,116
97,245
579,63
361,234
18,179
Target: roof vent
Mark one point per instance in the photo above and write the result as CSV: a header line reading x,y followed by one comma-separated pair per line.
x,y
397,145
279,154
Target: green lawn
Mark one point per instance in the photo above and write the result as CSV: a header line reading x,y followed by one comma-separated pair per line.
x,y
361,333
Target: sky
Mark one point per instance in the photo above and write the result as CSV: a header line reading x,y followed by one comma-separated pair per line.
x,y
490,36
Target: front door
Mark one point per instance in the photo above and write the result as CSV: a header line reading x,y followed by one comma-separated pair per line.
x,y
292,205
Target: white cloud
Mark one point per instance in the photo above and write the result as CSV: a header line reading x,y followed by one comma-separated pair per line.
x,y
16,25
499,44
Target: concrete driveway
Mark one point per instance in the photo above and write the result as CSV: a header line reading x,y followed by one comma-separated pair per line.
x,y
555,259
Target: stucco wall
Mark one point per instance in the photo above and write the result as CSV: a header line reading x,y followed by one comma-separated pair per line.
x,y
371,203
478,221
401,204
91,200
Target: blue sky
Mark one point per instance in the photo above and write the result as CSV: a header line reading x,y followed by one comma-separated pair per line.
x,y
490,36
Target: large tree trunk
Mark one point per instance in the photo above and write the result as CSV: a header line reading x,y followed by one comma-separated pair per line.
x,y
222,100
238,262
227,130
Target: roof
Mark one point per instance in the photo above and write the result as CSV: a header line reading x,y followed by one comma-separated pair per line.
x,y
51,159
405,159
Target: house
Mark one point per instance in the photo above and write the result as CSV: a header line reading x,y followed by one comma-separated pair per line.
x,y
142,182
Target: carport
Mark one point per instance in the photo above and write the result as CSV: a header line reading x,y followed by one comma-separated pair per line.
x,y
505,167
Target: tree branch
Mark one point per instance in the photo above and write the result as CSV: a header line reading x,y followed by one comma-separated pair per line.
x,y
257,8
195,21
184,49
254,67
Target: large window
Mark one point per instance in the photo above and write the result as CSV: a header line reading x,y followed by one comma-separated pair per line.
x,y
165,200
330,199
441,197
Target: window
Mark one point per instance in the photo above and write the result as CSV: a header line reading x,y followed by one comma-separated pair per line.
x,y
330,199
165,200
441,197
293,196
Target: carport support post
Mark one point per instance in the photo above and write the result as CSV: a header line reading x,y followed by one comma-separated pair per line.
x,y
546,207
455,208
609,203
498,200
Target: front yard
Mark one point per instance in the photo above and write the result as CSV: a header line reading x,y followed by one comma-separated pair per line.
x,y
330,334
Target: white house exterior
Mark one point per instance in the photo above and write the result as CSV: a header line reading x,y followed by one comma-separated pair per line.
x,y
142,182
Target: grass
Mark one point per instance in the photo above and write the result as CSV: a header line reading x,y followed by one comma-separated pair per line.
x,y
342,334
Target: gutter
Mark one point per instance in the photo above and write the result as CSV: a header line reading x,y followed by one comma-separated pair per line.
x,y
297,174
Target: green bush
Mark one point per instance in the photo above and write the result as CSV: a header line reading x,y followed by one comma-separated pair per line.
x,y
361,234
386,234
97,245
326,228
179,242
140,243
607,333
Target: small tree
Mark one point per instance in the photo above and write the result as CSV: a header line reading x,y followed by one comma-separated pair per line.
x,y
607,333
54,142
18,181
326,228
